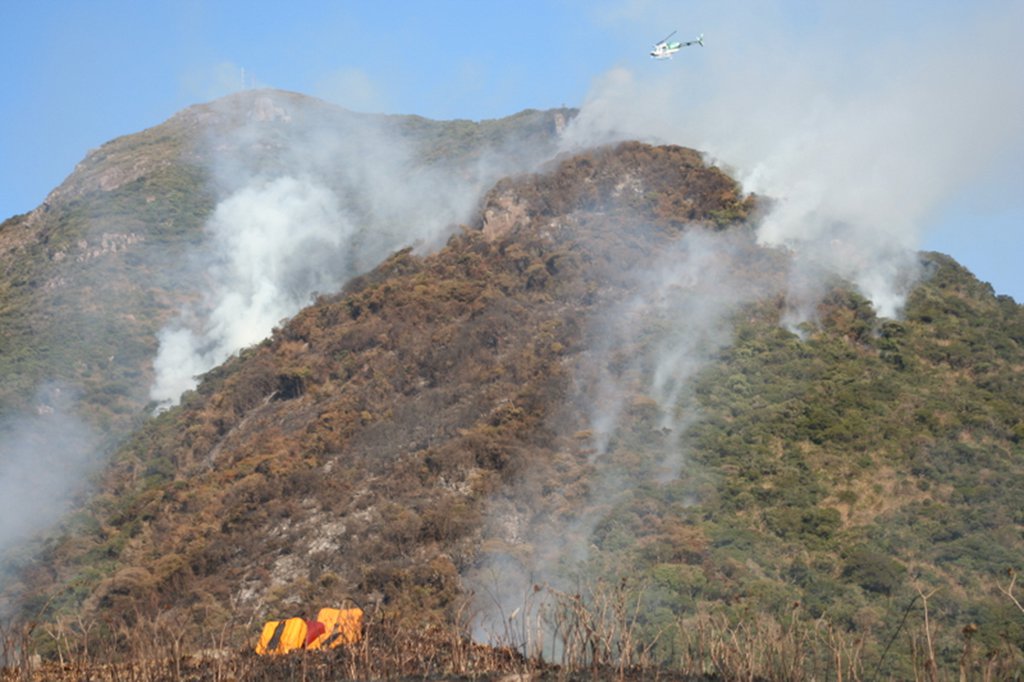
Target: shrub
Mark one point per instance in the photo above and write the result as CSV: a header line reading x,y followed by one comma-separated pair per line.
x,y
873,571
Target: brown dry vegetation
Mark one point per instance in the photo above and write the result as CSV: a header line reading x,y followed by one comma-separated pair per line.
x,y
600,632
359,451
378,422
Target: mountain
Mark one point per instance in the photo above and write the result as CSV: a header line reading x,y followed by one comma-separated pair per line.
x,y
591,390
163,253
91,275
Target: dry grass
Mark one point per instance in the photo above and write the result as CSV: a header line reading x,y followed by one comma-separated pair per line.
x,y
554,636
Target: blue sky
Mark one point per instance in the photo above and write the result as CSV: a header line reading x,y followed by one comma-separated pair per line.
x,y
76,74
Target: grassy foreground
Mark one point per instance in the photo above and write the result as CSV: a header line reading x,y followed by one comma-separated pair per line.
x,y
554,636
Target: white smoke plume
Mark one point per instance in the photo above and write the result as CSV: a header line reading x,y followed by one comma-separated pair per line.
x,y
652,346
44,459
313,196
855,150
676,321
858,142
276,243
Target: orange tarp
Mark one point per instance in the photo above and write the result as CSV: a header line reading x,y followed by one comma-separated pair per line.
x,y
343,626
282,636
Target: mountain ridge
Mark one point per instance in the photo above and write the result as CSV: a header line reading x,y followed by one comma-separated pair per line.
x,y
139,203
590,380
528,272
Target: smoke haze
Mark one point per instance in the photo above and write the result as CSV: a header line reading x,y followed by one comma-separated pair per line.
x,y
312,197
858,143
634,388
677,319
276,242
44,459
855,145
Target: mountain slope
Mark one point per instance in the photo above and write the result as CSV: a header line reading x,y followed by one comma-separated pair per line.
x,y
589,383
166,251
412,356
89,278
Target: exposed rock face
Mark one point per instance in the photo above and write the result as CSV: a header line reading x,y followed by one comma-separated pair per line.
x,y
119,175
503,213
672,184
109,243
266,109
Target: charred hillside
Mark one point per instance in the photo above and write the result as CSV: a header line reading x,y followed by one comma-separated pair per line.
x,y
168,250
112,256
589,382
378,422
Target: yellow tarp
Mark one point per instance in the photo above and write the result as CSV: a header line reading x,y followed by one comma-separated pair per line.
x,y
282,636
342,626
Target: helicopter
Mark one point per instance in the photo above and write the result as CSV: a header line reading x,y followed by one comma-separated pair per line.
x,y
664,49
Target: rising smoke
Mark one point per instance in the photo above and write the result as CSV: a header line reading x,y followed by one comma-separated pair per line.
x,y
44,459
854,151
649,348
676,320
276,242
313,196
859,142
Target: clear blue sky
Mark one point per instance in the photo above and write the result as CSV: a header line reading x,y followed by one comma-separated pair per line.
x,y
76,74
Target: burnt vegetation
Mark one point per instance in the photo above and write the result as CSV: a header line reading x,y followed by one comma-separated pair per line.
x,y
851,502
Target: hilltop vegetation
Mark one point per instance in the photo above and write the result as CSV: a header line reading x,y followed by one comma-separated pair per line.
x,y
392,442
89,278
